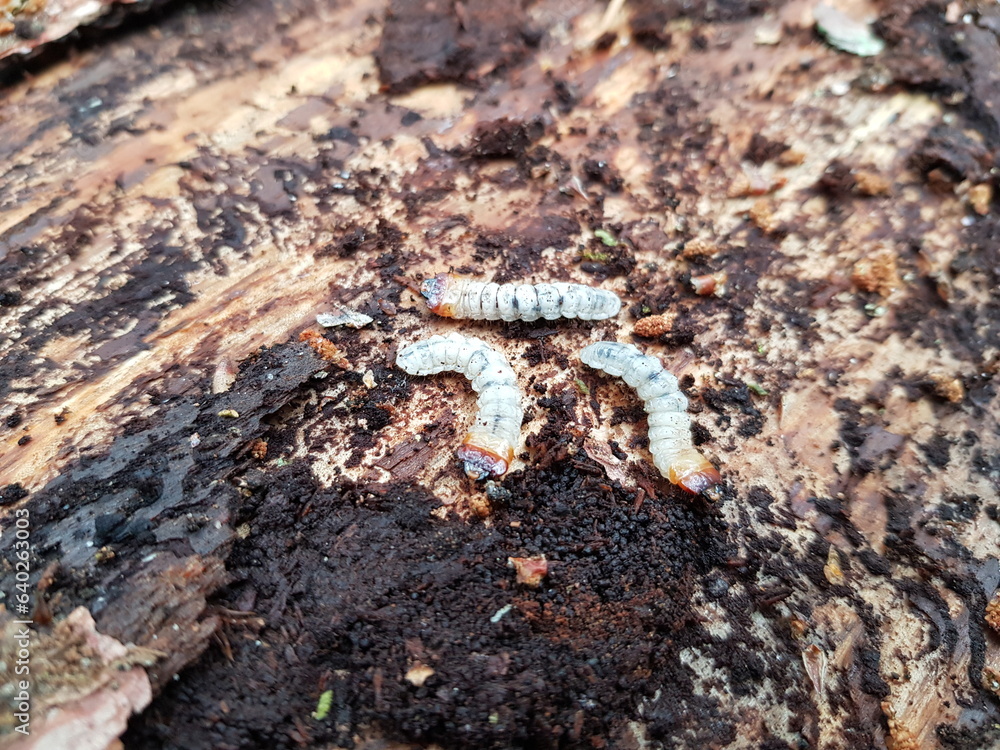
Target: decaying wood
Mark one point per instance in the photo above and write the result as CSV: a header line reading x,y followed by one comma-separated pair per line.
x,y
85,674
29,26
193,194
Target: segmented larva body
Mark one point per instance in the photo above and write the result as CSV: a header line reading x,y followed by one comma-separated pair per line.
x,y
456,297
488,447
669,423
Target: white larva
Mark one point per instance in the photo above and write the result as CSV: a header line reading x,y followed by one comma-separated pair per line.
x,y
456,297
669,423
488,447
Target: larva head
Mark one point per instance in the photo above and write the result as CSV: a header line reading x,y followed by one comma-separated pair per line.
x,y
485,456
408,359
435,291
693,472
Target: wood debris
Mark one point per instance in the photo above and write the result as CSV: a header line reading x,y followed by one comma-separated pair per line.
x,y
418,674
871,183
753,183
258,449
791,158
845,33
343,317
993,612
654,325
699,248
530,570
77,674
980,198
815,661
325,348
948,387
710,283
224,375
900,736
832,570
761,213
877,273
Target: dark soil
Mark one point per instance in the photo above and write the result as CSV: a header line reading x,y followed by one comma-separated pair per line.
x,y
356,584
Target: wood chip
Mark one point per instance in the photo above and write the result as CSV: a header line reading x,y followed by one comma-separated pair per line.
x,y
325,348
762,215
877,273
258,449
343,317
699,248
654,325
948,387
845,33
993,612
832,570
530,570
980,198
224,376
871,183
791,158
418,674
815,661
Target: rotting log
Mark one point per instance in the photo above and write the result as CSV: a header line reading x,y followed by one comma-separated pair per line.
x,y
269,519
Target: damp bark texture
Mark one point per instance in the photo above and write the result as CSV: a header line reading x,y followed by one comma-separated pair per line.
x,y
259,510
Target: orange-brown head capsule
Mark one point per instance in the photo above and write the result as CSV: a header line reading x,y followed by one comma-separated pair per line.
x,y
693,472
435,291
485,455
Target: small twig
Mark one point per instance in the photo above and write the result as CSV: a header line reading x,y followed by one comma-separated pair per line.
x,y
412,286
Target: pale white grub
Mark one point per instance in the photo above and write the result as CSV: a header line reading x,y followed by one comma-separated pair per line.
x,y
666,407
488,447
457,297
